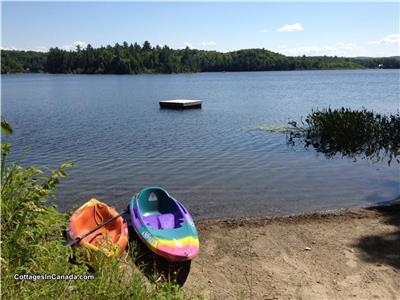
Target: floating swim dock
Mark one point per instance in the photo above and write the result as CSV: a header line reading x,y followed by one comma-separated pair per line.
x,y
180,103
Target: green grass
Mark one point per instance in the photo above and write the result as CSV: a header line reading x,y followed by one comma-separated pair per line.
x,y
32,243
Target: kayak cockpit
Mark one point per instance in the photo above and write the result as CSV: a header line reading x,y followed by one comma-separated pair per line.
x,y
111,238
159,211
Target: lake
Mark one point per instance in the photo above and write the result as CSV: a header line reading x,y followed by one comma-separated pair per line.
x,y
211,159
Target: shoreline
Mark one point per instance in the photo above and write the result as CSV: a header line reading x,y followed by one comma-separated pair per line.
x,y
241,221
191,73
307,214
347,253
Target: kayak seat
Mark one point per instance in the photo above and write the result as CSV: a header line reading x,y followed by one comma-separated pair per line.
x,y
152,221
167,221
163,221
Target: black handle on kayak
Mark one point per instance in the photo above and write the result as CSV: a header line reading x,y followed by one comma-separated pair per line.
x,y
78,239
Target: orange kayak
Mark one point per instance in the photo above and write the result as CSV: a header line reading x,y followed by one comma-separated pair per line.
x,y
111,239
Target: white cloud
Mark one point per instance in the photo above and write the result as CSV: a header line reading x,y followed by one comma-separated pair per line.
x,y
10,48
40,49
264,30
36,49
72,47
291,28
388,40
187,44
338,49
210,43
326,50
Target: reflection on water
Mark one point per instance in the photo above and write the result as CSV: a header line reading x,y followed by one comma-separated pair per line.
x,y
210,159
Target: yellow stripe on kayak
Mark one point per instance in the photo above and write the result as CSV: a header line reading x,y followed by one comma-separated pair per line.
x,y
187,241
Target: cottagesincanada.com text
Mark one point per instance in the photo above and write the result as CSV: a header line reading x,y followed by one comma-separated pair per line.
x,y
36,277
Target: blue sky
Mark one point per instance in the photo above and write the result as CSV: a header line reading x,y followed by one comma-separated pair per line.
x,y
313,28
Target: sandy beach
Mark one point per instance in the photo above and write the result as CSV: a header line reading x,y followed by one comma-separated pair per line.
x,y
349,254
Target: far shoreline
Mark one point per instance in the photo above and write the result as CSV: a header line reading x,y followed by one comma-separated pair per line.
x,y
207,72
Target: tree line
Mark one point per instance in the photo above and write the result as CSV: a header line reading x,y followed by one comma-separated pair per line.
x,y
137,59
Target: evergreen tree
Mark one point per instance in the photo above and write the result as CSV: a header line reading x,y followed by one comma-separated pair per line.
x,y
135,59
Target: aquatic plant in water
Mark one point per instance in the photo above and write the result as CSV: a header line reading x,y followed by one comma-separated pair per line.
x,y
275,128
351,133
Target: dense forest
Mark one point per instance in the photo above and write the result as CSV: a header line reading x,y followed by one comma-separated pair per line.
x,y
135,59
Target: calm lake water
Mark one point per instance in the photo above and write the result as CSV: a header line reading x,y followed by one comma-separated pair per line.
x,y
211,159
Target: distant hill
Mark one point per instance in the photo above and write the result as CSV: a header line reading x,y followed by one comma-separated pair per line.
x,y
22,61
391,62
371,57
135,59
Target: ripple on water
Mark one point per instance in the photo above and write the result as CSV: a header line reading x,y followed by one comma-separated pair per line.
x,y
210,159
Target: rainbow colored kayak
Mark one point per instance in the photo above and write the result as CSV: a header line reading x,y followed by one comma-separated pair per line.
x,y
164,225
